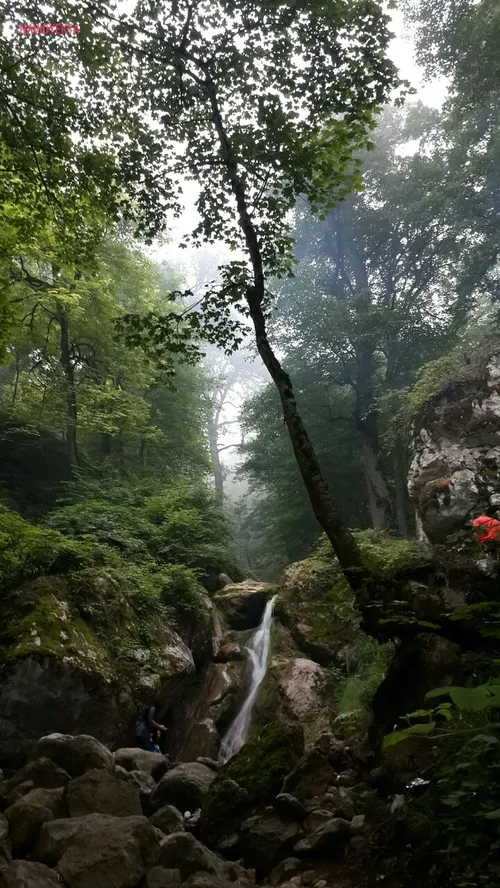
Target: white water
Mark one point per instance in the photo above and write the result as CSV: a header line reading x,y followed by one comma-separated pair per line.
x,y
258,648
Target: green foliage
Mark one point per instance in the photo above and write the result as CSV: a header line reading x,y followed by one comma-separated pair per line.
x,y
27,551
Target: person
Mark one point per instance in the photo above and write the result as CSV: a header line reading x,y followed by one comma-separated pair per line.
x,y
145,727
486,529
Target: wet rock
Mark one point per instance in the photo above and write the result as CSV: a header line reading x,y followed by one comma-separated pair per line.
x,y
185,787
288,806
102,792
346,778
327,840
76,755
160,877
133,759
242,604
230,652
99,850
299,682
18,792
209,763
310,778
168,819
202,741
26,874
27,815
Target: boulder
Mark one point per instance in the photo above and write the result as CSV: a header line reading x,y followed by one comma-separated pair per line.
x,y
202,741
133,759
102,792
160,877
168,819
18,792
285,870
311,777
267,841
26,874
146,786
300,682
185,786
42,773
229,652
317,819
76,755
288,806
242,604
183,852
5,844
328,840
99,850
28,814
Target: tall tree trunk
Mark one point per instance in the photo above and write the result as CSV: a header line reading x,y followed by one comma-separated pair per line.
x,y
105,444
69,378
379,497
16,378
213,441
324,506
400,487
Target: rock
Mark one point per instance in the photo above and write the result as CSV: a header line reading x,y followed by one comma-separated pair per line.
x,y
454,468
210,763
299,682
289,806
133,759
5,844
321,883
311,777
308,877
231,651
146,786
317,819
28,814
225,580
168,819
99,850
427,661
183,852
328,839
185,786
357,825
18,792
160,877
76,755
285,869
267,840
102,792
346,778
202,740
25,874
42,773
242,604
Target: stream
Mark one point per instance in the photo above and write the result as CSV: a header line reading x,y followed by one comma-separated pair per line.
x,y
258,649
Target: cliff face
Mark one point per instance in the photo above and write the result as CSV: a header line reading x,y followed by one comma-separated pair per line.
x,y
455,469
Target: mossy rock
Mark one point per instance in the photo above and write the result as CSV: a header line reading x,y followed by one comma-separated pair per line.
x,y
258,771
316,603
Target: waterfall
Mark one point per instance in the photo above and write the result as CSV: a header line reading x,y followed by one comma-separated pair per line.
x,y
258,649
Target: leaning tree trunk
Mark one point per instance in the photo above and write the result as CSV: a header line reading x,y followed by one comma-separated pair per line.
x,y
324,506
69,380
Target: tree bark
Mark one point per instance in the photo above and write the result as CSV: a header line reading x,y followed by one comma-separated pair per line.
x,y
214,455
69,378
324,506
379,497
400,487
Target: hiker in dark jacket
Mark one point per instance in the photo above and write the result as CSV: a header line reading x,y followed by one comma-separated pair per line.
x,y
145,727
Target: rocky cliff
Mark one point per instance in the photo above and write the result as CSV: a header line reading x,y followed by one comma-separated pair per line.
x,y
455,467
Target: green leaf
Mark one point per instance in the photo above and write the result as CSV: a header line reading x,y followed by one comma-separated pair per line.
x,y
413,731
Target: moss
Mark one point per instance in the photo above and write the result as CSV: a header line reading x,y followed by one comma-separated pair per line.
x,y
44,625
253,778
314,592
264,761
